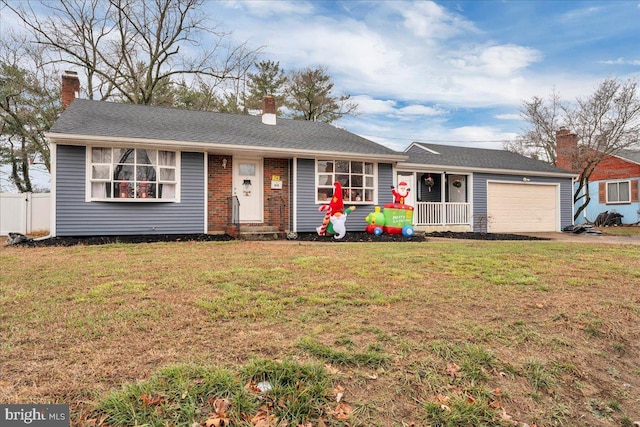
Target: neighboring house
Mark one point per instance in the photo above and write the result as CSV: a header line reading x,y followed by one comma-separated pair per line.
x,y
613,185
472,189
123,169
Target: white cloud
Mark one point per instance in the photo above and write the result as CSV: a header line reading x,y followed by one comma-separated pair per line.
x,y
262,8
416,52
420,110
429,20
621,61
506,60
508,117
368,105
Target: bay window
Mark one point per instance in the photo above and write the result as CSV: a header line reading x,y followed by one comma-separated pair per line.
x,y
356,178
122,174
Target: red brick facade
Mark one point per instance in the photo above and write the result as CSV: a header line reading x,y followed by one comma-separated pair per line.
x,y
277,202
566,150
219,191
610,167
615,168
219,185
70,88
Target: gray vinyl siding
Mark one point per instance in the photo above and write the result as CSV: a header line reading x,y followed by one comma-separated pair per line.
x,y
76,217
307,210
385,181
480,196
309,218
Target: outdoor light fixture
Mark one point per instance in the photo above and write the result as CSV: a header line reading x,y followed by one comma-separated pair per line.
x,y
224,163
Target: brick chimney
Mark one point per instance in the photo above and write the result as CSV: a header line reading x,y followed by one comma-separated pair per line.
x,y
269,110
70,88
566,149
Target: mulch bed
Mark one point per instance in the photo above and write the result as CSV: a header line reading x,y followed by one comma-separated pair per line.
x,y
304,237
418,237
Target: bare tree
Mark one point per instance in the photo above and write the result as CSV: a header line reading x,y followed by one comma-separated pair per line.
x,y
29,105
128,49
605,122
545,117
310,97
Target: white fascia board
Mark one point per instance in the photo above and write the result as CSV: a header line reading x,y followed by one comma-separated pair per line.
x,y
72,139
454,169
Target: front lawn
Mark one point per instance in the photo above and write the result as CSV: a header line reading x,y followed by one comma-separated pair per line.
x,y
433,333
623,230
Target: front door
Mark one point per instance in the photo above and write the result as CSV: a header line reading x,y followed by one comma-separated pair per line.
x,y
409,178
247,186
457,194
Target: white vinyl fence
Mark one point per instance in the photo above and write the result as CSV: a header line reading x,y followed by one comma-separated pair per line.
x,y
24,212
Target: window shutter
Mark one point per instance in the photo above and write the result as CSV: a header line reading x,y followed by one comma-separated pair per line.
x,y
602,192
634,190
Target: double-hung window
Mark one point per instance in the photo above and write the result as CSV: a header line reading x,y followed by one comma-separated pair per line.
x,y
619,192
125,174
356,178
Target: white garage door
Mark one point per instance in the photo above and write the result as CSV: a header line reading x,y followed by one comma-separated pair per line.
x,y
522,207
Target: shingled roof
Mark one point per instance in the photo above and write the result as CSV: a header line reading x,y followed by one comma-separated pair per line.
x,y
633,155
476,159
131,123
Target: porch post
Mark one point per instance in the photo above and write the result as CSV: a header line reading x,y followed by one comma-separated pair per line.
x,y
443,195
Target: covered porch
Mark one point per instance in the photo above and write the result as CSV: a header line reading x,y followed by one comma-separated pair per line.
x,y
442,200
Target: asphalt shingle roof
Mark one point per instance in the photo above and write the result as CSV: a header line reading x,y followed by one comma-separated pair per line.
x,y
476,158
633,155
107,119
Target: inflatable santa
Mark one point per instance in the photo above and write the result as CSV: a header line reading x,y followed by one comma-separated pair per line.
x,y
401,195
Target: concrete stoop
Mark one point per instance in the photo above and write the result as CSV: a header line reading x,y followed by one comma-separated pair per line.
x,y
262,232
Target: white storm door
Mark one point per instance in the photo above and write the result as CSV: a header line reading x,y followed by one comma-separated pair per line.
x,y
457,194
247,186
411,184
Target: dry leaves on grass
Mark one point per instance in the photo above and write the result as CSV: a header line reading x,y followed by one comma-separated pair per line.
x,y
252,387
342,412
150,400
338,391
219,416
265,419
452,369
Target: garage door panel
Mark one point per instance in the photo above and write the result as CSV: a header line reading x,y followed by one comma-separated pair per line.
x,y
522,208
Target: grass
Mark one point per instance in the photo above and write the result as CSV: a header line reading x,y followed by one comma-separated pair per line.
x,y
440,334
626,230
185,394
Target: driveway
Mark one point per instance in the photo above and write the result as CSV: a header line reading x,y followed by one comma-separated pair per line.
x,y
589,238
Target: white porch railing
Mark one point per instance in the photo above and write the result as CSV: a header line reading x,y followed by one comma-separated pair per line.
x,y
435,213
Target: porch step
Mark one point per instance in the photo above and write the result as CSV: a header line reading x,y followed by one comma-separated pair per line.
x,y
263,232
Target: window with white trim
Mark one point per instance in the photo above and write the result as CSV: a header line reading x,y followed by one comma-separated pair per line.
x,y
619,192
356,178
122,174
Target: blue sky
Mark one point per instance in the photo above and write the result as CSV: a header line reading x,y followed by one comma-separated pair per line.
x,y
450,72
454,72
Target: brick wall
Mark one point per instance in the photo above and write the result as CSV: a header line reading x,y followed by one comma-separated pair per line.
x,y
70,88
566,150
219,187
615,168
277,202
219,190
